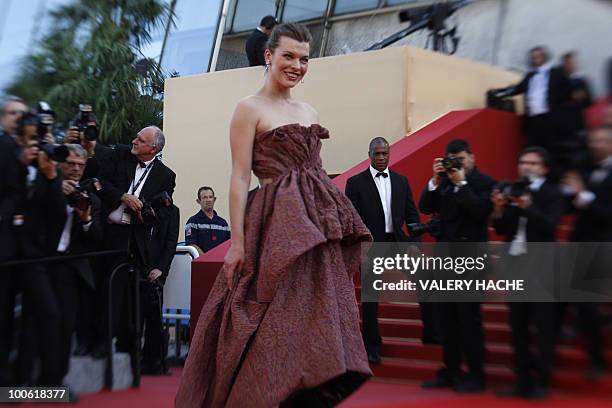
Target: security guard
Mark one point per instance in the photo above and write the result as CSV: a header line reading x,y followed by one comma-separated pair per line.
x,y
205,230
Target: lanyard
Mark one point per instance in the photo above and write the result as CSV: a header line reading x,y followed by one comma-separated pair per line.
x,y
134,187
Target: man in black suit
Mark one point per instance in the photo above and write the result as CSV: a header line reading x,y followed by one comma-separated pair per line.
x,y
161,239
461,198
384,201
130,176
256,43
531,217
74,227
545,88
592,192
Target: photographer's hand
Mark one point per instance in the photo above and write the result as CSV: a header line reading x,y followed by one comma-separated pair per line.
x,y
154,274
29,154
88,145
72,135
132,202
47,166
456,176
68,186
84,215
499,203
437,169
523,201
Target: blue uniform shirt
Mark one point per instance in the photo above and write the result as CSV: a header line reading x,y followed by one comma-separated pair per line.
x,y
205,232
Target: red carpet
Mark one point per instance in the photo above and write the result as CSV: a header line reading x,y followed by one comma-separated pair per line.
x,y
158,392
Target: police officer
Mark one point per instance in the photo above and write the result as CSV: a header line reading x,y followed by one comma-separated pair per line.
x,y
205,230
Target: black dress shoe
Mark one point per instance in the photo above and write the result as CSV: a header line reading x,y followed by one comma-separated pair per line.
x,y
470,385
443,380
373,358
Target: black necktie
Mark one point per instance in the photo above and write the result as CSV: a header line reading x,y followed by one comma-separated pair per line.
x,y
380,173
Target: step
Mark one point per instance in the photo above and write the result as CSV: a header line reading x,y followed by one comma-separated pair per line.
x,y
567,357
412,329
491,313
497,375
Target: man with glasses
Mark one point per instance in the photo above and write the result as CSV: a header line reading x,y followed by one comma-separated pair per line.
x,y
130,177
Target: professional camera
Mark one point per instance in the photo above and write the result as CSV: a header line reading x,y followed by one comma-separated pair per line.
x,y
514,189
81,196
450,163
148,214
82,122
43,119
431,227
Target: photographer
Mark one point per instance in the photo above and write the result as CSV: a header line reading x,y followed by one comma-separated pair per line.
x,y
12,109
160,240
529,211
84,131
41,311
460,194
74,227
591,193
130,178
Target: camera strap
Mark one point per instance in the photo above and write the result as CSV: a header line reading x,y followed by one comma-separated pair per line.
x,y
134,187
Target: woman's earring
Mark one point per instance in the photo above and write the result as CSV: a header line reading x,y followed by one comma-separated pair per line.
x,y
302,80
267,68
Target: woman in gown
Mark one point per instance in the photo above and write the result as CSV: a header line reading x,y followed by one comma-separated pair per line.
x,y
281,324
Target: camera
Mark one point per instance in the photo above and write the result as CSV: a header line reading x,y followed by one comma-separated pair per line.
x,y
44,119
431,227
449,163
514,189
80,198
82,122
149,207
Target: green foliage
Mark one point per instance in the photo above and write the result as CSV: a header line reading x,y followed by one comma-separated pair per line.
x,y
91,54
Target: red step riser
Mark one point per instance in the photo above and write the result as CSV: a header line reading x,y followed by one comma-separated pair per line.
x,y
491,314
413,330
566,358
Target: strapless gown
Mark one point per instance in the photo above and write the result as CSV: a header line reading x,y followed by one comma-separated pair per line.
x,y
287,333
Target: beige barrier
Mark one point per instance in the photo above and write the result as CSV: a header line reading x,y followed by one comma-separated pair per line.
x,y
388,93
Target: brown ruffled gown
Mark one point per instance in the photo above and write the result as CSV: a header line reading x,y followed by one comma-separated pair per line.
x,y
288,333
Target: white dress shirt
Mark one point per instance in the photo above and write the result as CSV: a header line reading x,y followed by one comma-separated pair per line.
x,y
383,185
518,246
116,217
537,91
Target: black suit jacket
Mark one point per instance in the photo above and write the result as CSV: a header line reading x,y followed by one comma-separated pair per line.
x,y
160,241
81,241
464,214
11,189
594,223
559,89
543,216
255,47
362,192
117,174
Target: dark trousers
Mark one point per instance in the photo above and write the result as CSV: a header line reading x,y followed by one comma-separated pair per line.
x,y
7,304
532,369
590,324
462,337
540,130
70,290
41,308
371,332
155,344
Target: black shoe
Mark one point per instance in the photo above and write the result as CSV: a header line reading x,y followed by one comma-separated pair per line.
x,y
444,379
154,369
373,358
470,384
536,394
72,397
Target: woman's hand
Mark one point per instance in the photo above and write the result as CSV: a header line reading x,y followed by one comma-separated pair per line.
x,y
233,263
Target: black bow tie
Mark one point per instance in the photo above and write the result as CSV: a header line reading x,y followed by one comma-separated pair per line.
x,y
142,164
380,173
